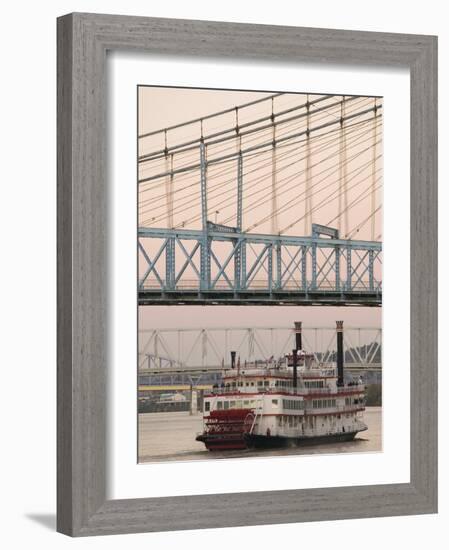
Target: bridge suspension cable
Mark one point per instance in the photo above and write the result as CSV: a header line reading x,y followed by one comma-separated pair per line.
x,y
206,117
264,145
217,190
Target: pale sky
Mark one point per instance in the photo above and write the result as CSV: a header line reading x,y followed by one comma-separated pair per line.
x,y
163,107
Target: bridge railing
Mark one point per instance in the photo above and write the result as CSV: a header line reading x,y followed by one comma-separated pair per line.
x,y
261,285
347,389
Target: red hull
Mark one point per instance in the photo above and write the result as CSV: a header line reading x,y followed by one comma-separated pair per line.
x,y
222,444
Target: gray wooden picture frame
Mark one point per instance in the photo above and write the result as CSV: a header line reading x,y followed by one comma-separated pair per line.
x,y
83,40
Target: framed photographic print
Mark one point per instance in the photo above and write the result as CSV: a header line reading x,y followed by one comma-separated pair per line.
x,y
247,274
292,183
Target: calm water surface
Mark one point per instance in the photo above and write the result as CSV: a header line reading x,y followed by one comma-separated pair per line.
x,y
171,436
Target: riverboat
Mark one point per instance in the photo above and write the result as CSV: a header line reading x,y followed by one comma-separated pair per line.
x,y
295,400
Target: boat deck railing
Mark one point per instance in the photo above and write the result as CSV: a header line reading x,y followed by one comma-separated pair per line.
x,y
301,390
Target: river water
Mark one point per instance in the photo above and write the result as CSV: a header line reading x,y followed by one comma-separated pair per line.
x,y
171,436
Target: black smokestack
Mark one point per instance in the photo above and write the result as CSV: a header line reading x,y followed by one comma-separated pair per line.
x,y
340,358
295,369
233,354
298,333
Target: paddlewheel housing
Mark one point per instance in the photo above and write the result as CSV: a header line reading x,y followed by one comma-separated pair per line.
x,y
225,430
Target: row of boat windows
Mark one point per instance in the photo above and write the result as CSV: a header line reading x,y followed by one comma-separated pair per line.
x,y
293,404
238,404
323,403
240,384
312,421
314,383
277,384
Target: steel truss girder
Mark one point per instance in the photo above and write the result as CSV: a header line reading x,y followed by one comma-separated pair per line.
x,y
266,266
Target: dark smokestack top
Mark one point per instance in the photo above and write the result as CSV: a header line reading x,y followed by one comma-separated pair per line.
x,y
298,334
295,368
233,354
340,354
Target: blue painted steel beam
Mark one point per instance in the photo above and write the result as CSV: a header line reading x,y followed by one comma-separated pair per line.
x,y
193,234
266,268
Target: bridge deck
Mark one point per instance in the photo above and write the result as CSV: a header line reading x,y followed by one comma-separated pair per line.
x,y
259,297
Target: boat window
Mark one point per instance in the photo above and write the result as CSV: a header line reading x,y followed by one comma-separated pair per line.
x,y
226,405
239,404
314,384
207,406
323,403
246,403
275,402
219,405
266,383
259,383
293,404
232,405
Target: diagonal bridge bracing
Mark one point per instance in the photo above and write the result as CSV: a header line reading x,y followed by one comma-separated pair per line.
x,y
244,268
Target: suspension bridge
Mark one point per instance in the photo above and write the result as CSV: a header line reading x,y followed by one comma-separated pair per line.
x,y
274,201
